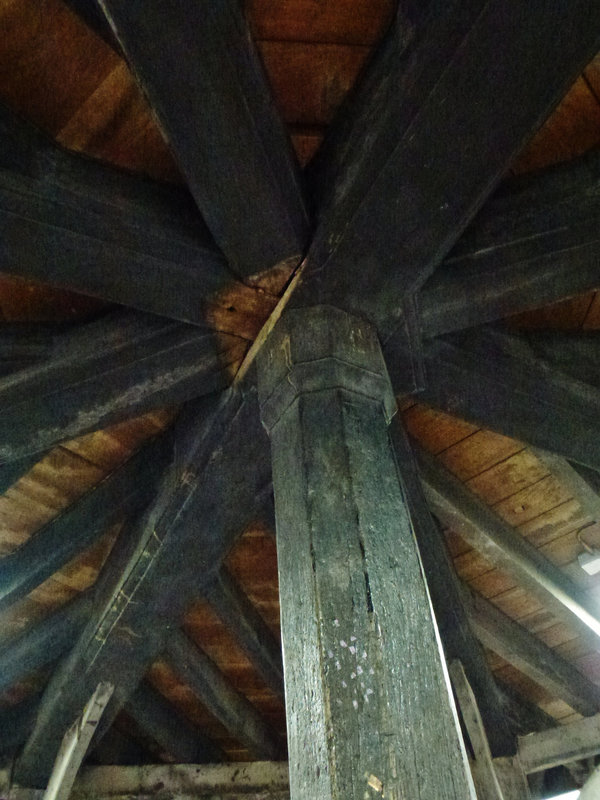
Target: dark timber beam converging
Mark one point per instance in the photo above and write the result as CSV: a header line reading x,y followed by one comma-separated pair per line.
x,y
366,691
535,241
123,493
230,707
174,735
204,501
479,525
458,638
248,628
529,655
445,115
213,102
89,227
115,367
542,389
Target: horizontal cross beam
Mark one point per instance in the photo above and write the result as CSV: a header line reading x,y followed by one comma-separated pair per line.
x,y
559,745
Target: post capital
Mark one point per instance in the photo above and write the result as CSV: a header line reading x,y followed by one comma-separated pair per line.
x,y
317,349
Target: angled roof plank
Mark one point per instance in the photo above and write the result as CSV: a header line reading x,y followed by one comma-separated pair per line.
x,y
446,117
201,73
529,655
205,500
535,241
224,702
86,226
462,511
16,723
583,482
499,380
123,493
168,729
107,370
456,633
248,627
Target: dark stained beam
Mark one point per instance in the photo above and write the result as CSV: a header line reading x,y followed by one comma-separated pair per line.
x,y
461,510
542,390
536,241
201,73
524,715
123,493
456,633
207,497
224,702
10,473
42,643
420,159
115,367
16,723
529,655
91,13
248,628
89,227
174,735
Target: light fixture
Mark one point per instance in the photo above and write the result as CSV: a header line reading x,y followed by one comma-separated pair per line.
x,y
590,559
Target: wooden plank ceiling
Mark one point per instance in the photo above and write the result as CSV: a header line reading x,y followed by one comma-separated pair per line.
x,y
62,77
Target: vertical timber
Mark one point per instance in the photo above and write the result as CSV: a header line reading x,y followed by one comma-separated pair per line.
x,y
369,709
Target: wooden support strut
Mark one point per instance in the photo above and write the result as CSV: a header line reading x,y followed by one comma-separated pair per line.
x,y
366,688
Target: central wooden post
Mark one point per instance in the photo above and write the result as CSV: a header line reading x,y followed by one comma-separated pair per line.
x,y
369,709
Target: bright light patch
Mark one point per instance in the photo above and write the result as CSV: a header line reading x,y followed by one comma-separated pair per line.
x,y
567,796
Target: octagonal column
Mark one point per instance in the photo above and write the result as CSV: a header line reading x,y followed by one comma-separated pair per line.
x,y
369,710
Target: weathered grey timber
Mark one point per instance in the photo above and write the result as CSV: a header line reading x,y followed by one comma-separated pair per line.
x,y
560,744
482,766
420,161
368,701
205,500
115,367
529,655
173,734
42,643
512,779
248,627
260,780
240,167
514,384
220,697
535,241
460,509
456,633
122,494
86,226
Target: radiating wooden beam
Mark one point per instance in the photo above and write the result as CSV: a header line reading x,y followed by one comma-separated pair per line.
x,y
529,655
106,370
560,744
224,702
95,229
458,639
462,511
16,723
248,628
44,642
535,241
419,161
548,396
204,501
121,494
171,732
214,105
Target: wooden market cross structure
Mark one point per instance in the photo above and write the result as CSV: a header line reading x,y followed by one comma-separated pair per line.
x,y
339,282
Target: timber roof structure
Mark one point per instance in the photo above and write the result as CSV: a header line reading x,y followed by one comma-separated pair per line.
x,y
169,183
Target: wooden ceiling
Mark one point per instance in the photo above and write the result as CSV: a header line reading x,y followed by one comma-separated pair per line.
x,y
61,76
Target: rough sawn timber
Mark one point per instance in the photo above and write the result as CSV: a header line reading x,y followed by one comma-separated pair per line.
x,y
204,501
198,66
